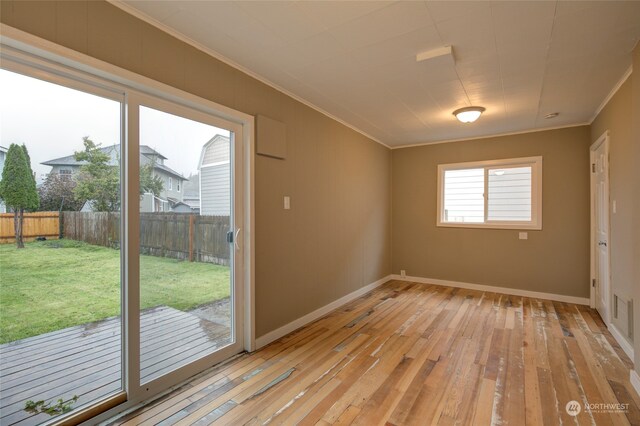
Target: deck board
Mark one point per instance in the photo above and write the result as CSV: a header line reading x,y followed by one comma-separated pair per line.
x,y
85,360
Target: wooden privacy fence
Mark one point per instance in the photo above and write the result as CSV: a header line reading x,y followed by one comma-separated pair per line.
x,y
176,235
38,224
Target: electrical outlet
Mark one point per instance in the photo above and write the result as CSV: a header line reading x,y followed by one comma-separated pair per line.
x,y
287,202
403,273
523,235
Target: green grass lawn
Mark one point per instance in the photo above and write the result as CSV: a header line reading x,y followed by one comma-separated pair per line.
x,y
52,285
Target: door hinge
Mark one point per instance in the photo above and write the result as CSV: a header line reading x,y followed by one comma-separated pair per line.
x,y
593,282
593,167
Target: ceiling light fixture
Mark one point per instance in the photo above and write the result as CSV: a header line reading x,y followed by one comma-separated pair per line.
x,y
468,114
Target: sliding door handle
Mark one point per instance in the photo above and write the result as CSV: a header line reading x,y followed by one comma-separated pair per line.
x,y
235,239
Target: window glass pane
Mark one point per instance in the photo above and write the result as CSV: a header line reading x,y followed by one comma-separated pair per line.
x,y
185,257
463,196
60,314
510,194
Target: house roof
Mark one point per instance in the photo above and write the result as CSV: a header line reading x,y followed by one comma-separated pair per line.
x,y
145,150
3,149
70,160
170,171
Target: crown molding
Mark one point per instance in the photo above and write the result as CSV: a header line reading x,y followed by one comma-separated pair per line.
x,y
495,135
612,93
188,40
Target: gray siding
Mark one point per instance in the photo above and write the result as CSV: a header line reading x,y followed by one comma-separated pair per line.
x,y
146,203
215,190
166,192
217,152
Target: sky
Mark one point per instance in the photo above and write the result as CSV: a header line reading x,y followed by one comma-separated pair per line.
x,y
51,121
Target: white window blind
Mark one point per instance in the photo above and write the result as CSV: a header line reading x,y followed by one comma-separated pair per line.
x,y
464,195
493,194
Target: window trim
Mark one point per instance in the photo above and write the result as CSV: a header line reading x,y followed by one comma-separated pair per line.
x,y
219,163
536,193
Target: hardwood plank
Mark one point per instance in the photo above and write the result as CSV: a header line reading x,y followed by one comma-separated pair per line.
x,y
533,406
419,354
483,413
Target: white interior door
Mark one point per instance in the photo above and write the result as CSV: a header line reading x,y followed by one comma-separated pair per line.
x,y
601,232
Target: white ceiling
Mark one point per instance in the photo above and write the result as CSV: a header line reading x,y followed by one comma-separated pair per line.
x,y
356,60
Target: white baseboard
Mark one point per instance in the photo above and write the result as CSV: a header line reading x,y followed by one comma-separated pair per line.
x,y
302,321
493,289
624,343
635,380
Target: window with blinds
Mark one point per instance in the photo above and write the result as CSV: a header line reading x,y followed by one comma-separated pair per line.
x,y
492,194
464,195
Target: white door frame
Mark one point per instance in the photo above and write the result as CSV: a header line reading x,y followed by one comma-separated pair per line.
x,y
603,139
40,58
136,389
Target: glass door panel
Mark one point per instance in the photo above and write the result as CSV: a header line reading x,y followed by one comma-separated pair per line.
x,y
186,250
61,292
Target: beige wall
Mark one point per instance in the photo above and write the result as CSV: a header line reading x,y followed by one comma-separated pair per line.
x,y
554,260
635,134
336,237
616,118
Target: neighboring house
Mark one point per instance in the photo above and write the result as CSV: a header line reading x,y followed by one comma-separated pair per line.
x,y
181,207
215,173
171,195
3,155
191,193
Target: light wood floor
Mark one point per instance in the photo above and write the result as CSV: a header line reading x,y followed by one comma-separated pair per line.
x,y
419,354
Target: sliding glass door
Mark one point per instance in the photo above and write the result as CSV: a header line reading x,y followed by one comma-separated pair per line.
x,y
61,329
130,209
187,225
186,208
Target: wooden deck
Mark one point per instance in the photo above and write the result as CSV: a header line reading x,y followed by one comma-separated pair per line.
x,y
86,360
418,354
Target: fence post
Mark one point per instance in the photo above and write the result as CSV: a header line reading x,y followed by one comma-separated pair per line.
x,y
60,225
191,225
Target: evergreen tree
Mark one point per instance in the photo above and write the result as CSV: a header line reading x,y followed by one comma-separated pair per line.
x,y
18,187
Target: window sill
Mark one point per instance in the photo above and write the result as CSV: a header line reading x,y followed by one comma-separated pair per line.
x,y
515,226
